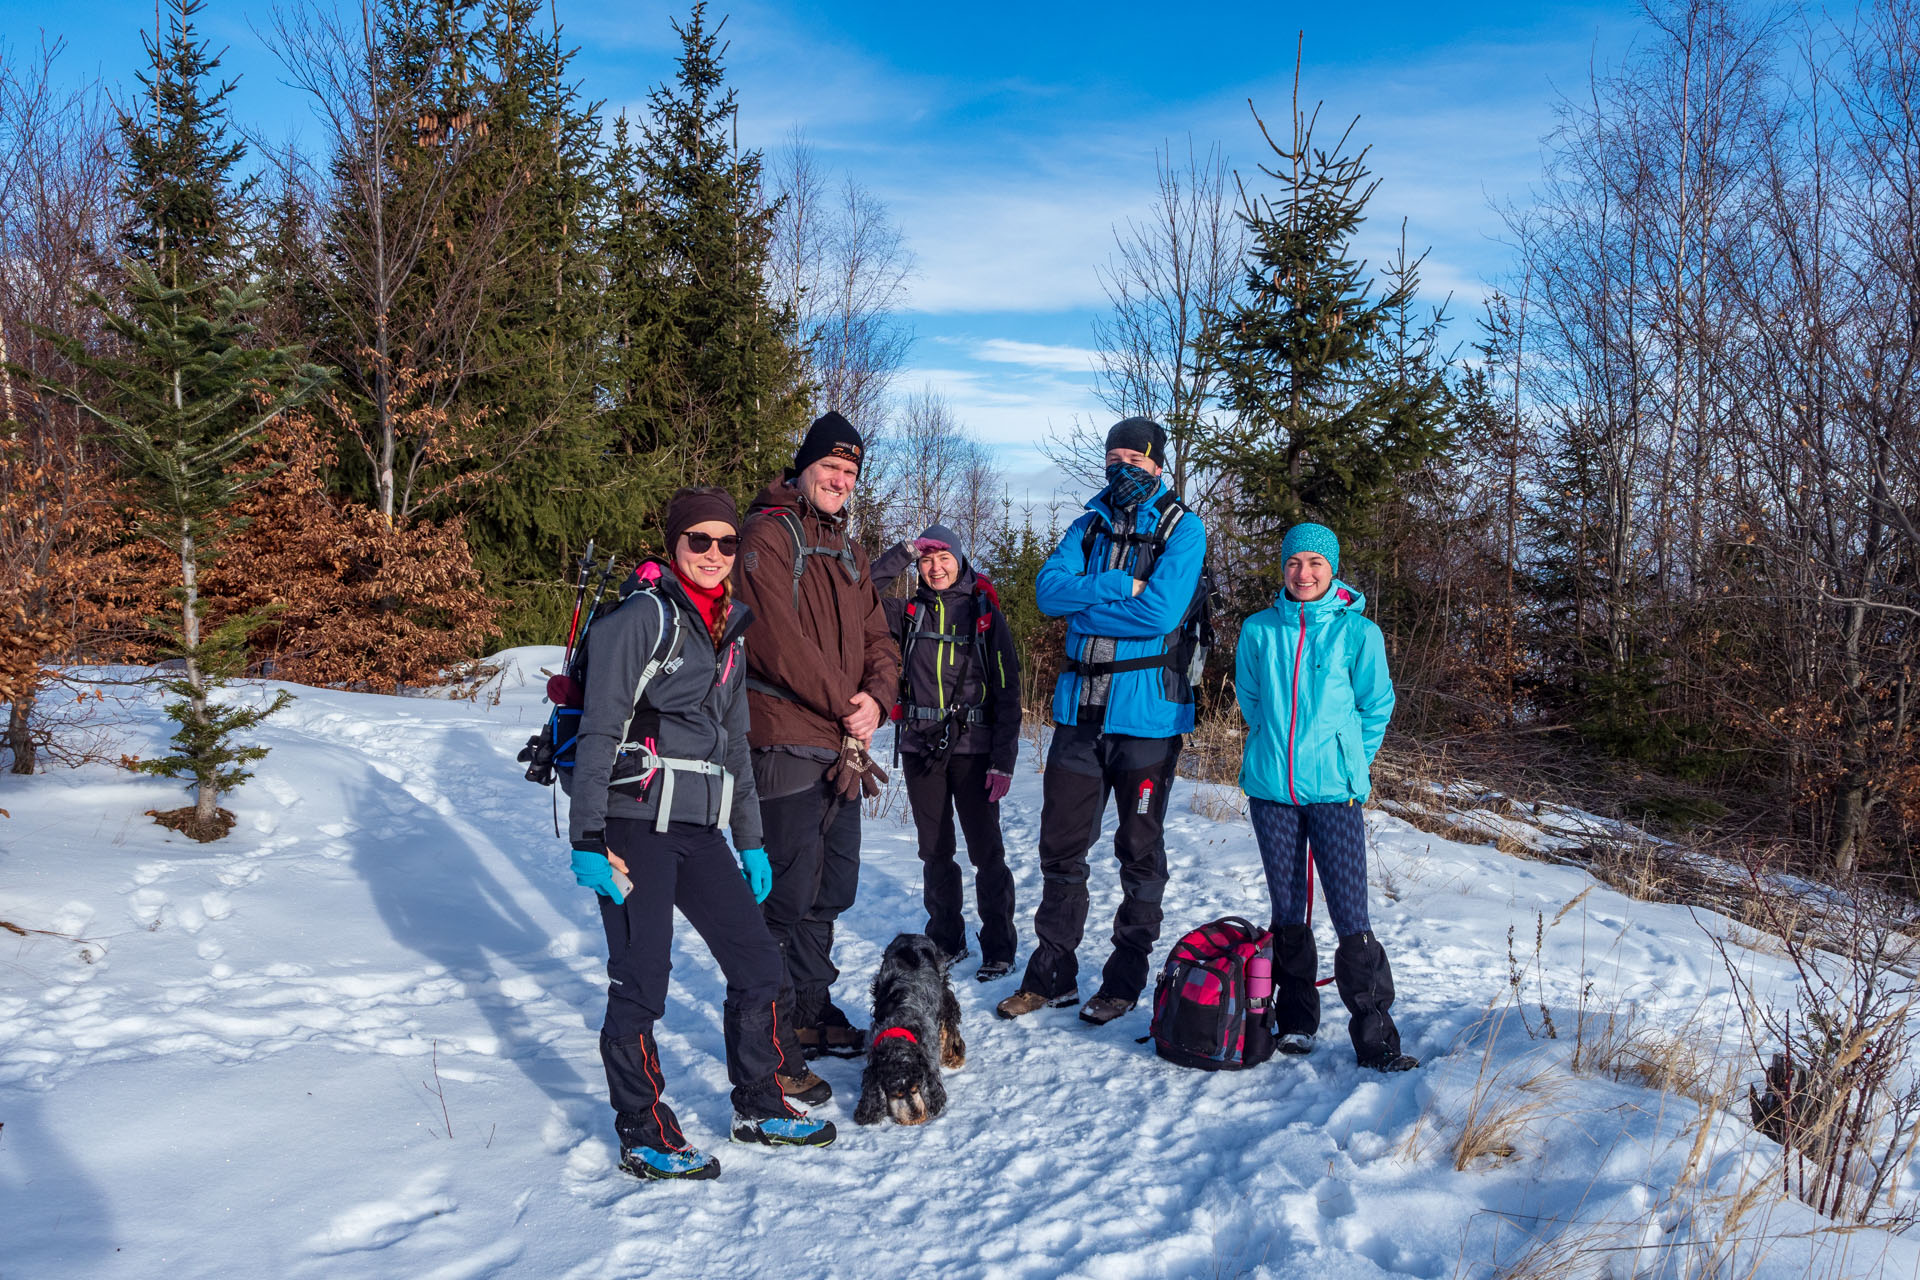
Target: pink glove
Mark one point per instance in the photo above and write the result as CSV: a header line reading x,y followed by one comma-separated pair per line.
x,y
998,784
924,545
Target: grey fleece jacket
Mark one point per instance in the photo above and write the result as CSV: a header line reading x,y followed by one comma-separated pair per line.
x,y
695,708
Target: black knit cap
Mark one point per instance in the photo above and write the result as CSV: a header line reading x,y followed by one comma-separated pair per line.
x,y
1142,435
690,507
830,436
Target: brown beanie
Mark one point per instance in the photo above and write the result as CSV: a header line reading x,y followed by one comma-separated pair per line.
x,y
690,507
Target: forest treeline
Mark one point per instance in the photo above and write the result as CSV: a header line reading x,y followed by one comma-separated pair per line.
x,y
349,415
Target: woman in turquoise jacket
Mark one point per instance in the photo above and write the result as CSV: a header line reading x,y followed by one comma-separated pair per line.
x,y
1313,687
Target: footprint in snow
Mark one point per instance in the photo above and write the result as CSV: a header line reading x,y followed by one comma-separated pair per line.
x,y
146,906
378,1223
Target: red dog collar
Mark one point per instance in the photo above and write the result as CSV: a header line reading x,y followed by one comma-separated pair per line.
x,y
895,1033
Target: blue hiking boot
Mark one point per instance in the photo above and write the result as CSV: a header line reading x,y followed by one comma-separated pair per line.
x,y
653,1163
783,1131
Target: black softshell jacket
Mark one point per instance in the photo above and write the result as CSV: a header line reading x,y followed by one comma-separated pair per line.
x,y
943,674
694,708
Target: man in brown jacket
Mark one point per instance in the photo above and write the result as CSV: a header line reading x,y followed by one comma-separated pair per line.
x,y
821,666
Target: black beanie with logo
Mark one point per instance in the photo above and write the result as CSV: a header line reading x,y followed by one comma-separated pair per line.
x,y
830,436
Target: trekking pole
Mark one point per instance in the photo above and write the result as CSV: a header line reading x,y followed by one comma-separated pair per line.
x,y
579,594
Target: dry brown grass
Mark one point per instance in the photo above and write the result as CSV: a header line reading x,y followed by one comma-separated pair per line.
x,y
1220,803
1214,748
1617,1047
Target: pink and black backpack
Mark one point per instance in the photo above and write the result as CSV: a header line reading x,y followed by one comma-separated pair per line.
x,y
1213,1004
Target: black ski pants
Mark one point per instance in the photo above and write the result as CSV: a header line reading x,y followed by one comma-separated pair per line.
x,y
690,867
1083,770
813,845
1335,837
937,788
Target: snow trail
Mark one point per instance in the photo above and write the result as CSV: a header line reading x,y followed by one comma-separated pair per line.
x,y
358,1038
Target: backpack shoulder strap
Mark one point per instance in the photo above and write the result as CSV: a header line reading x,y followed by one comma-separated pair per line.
x,y
666,648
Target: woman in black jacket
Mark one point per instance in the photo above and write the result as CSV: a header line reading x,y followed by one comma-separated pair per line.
x,y
958,727
661,762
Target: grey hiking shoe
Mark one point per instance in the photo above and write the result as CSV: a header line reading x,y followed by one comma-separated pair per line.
x,y
1104,1009
1294,1043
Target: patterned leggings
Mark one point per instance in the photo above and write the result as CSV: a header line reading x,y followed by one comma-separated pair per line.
x,y
1338,835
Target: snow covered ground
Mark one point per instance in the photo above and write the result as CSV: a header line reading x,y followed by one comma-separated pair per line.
x,y
358,1038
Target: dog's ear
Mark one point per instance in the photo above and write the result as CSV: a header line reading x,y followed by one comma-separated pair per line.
x,y
925,955
873,1103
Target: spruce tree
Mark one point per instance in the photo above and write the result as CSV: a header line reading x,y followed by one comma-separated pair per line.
x,y
183,392
182,399
1334,400
706,386
531,391
187,212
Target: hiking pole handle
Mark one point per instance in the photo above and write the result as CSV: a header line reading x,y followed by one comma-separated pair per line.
x,y
579,594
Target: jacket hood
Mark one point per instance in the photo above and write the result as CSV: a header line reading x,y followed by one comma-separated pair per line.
x,y
1339,598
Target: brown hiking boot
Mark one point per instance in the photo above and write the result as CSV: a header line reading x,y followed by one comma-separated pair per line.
x,y
1023,1002
804,1086
842,1041
1104,1009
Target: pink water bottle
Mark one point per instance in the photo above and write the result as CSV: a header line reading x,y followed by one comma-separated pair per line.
x,y
1259,979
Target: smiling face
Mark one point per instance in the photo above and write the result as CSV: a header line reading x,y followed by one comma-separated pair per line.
x,y
828,483
939,570
707,568
1308,576
1134,457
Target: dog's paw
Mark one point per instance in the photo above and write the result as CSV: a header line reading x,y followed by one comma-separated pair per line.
x,y
953,1050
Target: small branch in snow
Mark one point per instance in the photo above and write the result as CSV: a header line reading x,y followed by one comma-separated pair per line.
x,y
439,1091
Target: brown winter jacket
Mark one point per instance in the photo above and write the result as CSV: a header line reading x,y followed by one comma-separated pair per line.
x,y
833,645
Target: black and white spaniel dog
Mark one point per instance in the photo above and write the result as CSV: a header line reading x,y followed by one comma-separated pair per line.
x,y
916,1031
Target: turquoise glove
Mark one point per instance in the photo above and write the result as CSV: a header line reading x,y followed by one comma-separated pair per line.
x,y
591,870
759,874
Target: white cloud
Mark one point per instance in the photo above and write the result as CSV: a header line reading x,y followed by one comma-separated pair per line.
x,y
1038,355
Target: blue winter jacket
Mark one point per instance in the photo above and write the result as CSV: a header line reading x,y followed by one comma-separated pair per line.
x,y
1152,703
1313,687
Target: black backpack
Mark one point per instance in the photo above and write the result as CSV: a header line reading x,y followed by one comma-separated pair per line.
x,y
1195,638
550,752
1213,1005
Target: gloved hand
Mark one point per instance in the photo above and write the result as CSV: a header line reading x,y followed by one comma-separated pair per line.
x,y
759,873
855,774
591,870
998,784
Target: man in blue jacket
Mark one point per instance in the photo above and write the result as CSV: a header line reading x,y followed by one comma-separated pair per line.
x,y
1127,575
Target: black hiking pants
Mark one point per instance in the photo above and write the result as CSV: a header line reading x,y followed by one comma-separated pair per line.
x,y
938,788
813,846
690,867
1083,770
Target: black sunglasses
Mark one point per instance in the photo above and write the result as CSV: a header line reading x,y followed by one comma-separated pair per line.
x,y
699,542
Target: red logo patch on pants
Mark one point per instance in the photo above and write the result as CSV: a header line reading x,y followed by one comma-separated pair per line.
x,y
1146,797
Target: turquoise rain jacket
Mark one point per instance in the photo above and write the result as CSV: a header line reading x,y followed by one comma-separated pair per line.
x,y
1313,687
1099,600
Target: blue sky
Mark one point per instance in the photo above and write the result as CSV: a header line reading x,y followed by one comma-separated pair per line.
x,y
1008,139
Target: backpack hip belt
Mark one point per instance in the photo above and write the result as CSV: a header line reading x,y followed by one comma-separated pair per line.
x,y
1094,670
976,714
669,766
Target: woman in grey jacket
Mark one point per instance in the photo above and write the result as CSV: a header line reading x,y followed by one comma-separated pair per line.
x,y
660,763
